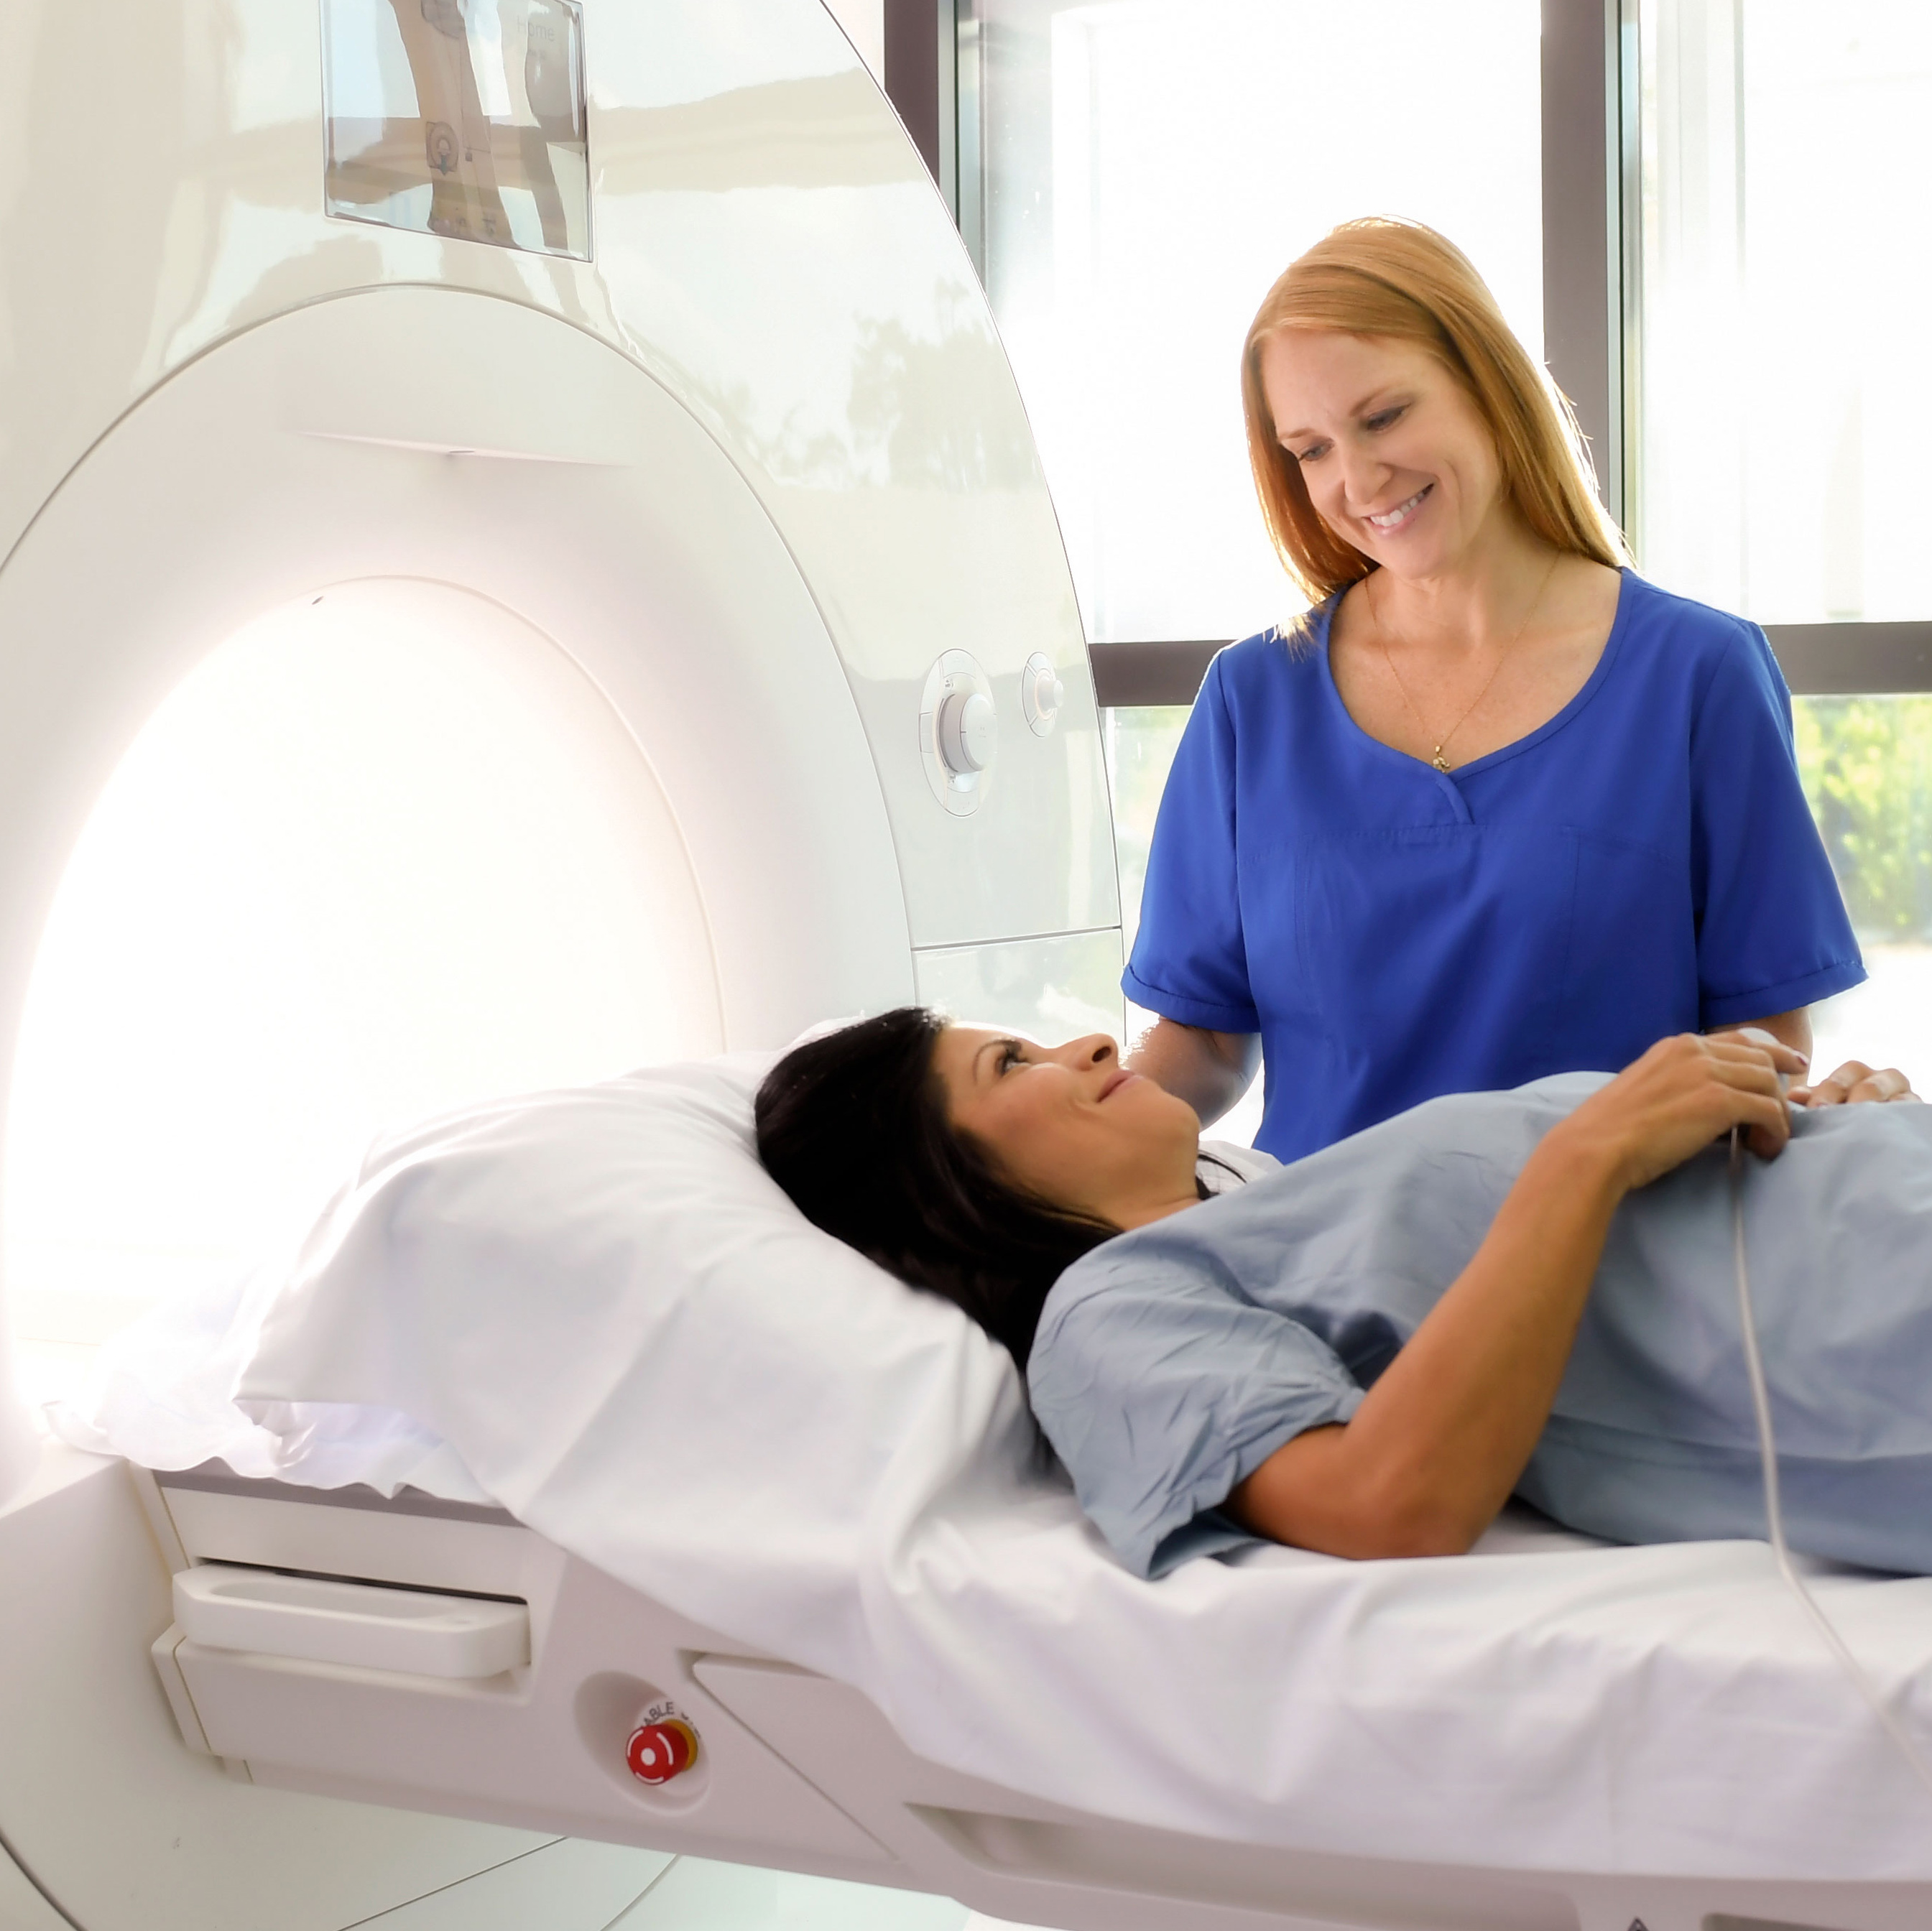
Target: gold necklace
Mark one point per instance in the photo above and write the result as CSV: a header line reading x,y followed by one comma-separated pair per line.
x,y
1436,758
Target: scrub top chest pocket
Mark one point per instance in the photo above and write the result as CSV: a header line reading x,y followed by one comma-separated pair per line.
x,y
1394,929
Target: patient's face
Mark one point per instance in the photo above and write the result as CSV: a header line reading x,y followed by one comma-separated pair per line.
x,y
1068,1123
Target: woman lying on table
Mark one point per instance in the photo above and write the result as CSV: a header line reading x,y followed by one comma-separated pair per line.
x,y
1366,1352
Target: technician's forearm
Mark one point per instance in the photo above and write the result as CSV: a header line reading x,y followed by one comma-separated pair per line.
x,y
1210,1071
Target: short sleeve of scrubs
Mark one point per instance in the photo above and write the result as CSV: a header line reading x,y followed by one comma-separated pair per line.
x,y
1644,863
1773,934
1161,1387
1199,970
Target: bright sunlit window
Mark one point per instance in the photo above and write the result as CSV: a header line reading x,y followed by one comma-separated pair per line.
x,y
1785,276
383,852
1151,166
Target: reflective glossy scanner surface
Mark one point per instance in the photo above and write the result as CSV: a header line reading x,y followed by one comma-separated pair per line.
x,y
465,121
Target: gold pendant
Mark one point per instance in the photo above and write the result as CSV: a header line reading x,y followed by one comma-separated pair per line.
x,y
1440,763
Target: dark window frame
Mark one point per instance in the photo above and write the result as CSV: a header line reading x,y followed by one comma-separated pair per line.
x,y
1592,320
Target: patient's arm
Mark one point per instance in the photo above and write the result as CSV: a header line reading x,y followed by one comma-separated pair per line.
x,y
1440,1440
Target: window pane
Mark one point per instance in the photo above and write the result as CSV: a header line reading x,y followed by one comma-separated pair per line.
x,y
1151,165
1867,765
1141,743
1786,276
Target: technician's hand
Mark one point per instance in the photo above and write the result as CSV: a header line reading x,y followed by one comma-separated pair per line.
x,y
1855,1084
1788,1060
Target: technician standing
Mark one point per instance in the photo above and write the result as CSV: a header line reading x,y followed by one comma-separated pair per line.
x,y
1497,808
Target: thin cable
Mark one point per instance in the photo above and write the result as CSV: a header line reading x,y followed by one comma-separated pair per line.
x,y
26,1871
1767,1445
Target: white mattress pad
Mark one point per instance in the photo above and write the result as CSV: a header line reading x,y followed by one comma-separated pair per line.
x,y
594,1309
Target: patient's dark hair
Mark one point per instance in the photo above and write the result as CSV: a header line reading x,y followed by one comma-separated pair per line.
x,y
853,1126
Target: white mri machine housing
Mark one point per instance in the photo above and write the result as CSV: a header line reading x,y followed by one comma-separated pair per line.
x,y
755,480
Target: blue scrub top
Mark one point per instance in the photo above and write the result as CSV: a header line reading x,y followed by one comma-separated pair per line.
x,y
1643,864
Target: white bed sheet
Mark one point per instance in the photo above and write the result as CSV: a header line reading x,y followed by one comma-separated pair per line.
x,y
595,1309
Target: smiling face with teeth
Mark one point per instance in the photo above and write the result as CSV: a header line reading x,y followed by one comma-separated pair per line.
x,y
1396,457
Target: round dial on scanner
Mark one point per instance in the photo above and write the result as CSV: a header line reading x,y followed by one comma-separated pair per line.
x,y
1042,693
958,732
968,730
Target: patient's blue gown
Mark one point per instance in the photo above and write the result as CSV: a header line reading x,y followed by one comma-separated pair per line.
x,y
1173,1360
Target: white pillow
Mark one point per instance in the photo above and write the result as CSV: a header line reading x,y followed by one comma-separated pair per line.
x,y
632,1339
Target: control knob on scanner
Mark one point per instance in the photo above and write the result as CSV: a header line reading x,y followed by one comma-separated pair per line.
x,y
1042,693
968,728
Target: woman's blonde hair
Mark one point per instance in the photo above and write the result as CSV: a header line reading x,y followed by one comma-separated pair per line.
x,y
1399,280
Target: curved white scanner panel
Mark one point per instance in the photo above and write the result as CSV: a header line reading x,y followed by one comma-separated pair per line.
x,y
374,437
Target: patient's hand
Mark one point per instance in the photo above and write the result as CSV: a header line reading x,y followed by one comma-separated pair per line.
x,y
1855,1084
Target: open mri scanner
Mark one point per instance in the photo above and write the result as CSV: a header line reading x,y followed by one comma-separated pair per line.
x,y
632,335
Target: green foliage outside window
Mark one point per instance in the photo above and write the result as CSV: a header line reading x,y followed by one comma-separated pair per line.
x,y
1866,763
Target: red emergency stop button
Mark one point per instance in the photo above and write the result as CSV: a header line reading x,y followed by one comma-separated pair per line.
x,y
659,1751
